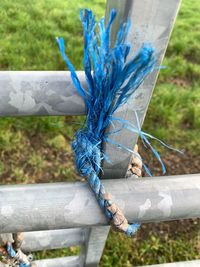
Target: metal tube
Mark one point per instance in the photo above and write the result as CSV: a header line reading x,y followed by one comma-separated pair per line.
x,y
39,93
71,261
46,240
68,205
151,22
95,245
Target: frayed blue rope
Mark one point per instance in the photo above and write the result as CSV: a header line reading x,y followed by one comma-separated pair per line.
x,y
111,84
12,253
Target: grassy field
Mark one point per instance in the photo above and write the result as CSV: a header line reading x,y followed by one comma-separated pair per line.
x,y
38,149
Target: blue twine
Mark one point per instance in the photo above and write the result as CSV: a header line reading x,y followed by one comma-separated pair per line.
x,y
12,253
110,85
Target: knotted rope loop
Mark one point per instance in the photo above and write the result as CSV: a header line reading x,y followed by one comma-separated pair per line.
x,y
111,83
88,159
10,252
87,153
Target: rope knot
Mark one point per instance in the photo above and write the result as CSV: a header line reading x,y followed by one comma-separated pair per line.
x,y
87,153
111,81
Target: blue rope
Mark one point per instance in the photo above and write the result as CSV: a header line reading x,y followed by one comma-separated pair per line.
x,y
110,85
12,253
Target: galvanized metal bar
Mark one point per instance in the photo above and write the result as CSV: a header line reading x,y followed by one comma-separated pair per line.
x,y
195,263
39,93
95,245
67,205
71,261
47,240
152,22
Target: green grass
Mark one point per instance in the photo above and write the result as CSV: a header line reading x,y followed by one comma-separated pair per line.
x,y
175,105
38,149
29,30
167,242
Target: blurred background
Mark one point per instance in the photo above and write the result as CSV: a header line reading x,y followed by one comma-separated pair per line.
x,y
38,149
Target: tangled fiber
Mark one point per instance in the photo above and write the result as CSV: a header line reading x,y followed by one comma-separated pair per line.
x,y
111,81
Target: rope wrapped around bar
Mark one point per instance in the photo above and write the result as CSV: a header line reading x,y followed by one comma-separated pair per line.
x,y
10,253
111,82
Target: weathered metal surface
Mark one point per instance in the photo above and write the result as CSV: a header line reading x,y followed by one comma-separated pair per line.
x,y
152,22
95,245
72,261
53,239
69,205
5,238
39,93
195,263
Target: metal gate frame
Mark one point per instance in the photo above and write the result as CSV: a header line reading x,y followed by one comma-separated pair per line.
x,y
144,200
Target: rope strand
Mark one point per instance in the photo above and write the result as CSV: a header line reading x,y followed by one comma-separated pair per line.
x,y
110,85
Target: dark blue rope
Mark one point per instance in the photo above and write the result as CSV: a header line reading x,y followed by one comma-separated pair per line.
x,y
111,84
